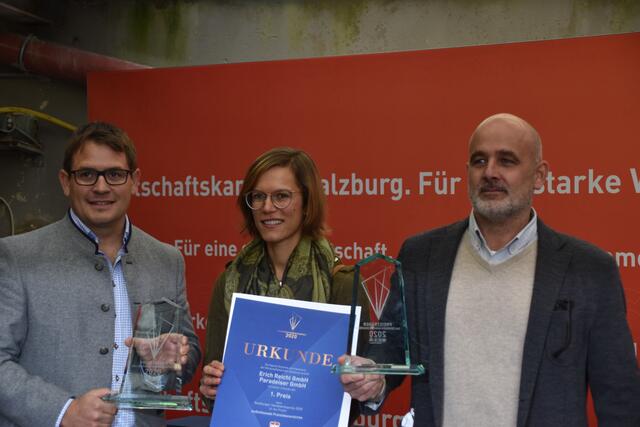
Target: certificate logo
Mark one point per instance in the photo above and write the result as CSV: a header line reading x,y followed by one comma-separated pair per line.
x,y
294,322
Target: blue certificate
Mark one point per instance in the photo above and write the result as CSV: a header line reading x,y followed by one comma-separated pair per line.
x,y
278,357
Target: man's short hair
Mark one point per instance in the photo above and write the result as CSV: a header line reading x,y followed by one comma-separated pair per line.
x,y
101,133
307,178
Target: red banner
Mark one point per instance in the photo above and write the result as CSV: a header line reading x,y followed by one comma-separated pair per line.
x,y
389,133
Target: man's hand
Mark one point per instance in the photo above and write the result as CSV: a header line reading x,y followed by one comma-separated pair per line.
x,y
164,352
362,387
89,410
211,377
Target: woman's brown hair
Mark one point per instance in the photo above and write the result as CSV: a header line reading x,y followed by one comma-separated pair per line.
x,y
308,179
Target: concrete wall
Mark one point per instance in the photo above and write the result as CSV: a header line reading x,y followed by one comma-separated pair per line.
x,y
191,32
29,182
168,33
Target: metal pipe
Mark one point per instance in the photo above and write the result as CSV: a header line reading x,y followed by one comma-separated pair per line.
x,y
39,114
55,60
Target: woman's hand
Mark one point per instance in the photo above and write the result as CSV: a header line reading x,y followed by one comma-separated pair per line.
x,y
211,377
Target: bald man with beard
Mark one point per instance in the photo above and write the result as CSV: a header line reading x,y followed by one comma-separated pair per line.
x,y
513,320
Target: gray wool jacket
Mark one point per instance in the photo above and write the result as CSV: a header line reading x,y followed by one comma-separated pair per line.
x,y
57,317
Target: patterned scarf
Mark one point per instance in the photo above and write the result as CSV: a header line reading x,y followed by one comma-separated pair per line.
x,y
307,275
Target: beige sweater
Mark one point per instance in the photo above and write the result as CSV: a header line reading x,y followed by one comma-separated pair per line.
x,y
486,322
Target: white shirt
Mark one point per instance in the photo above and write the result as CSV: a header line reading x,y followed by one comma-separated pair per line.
x,y
524,238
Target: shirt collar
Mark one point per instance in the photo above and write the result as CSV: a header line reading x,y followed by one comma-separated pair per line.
x,y
528,234
89,234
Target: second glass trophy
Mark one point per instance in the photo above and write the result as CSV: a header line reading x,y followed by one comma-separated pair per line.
x,y
384,330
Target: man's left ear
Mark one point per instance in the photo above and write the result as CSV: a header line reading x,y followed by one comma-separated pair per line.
x,y
542,170
135,178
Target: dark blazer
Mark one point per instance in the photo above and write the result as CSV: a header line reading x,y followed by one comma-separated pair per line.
x,y
577,334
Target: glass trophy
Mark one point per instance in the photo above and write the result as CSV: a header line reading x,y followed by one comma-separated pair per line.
x,y
384,331
151,378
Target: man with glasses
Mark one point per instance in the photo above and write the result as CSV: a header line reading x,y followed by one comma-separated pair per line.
x,y
67,292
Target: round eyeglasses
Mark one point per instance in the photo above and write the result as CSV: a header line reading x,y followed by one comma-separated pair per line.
x,y
280,199
113,176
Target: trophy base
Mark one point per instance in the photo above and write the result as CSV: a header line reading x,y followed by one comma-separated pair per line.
x,y
150,401
378,368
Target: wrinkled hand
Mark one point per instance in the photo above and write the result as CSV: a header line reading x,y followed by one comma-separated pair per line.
x,y
362,387
89,410
211,377
164,352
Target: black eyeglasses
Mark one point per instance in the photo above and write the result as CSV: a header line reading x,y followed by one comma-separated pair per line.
x,y
280,199
113,176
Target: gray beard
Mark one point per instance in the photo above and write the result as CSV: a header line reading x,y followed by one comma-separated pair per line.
x,y
502,210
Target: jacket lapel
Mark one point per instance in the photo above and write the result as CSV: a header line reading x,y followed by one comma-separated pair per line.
x,y
441,260
551,266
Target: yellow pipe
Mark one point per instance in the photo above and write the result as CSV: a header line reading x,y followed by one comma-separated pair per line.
x,y
40,115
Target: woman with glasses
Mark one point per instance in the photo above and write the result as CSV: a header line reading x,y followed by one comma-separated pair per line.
x,y
283,205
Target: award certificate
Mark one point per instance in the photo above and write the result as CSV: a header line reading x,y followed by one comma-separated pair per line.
x,y
278,357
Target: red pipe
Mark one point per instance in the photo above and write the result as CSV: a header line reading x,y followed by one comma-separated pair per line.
x,y
56,61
